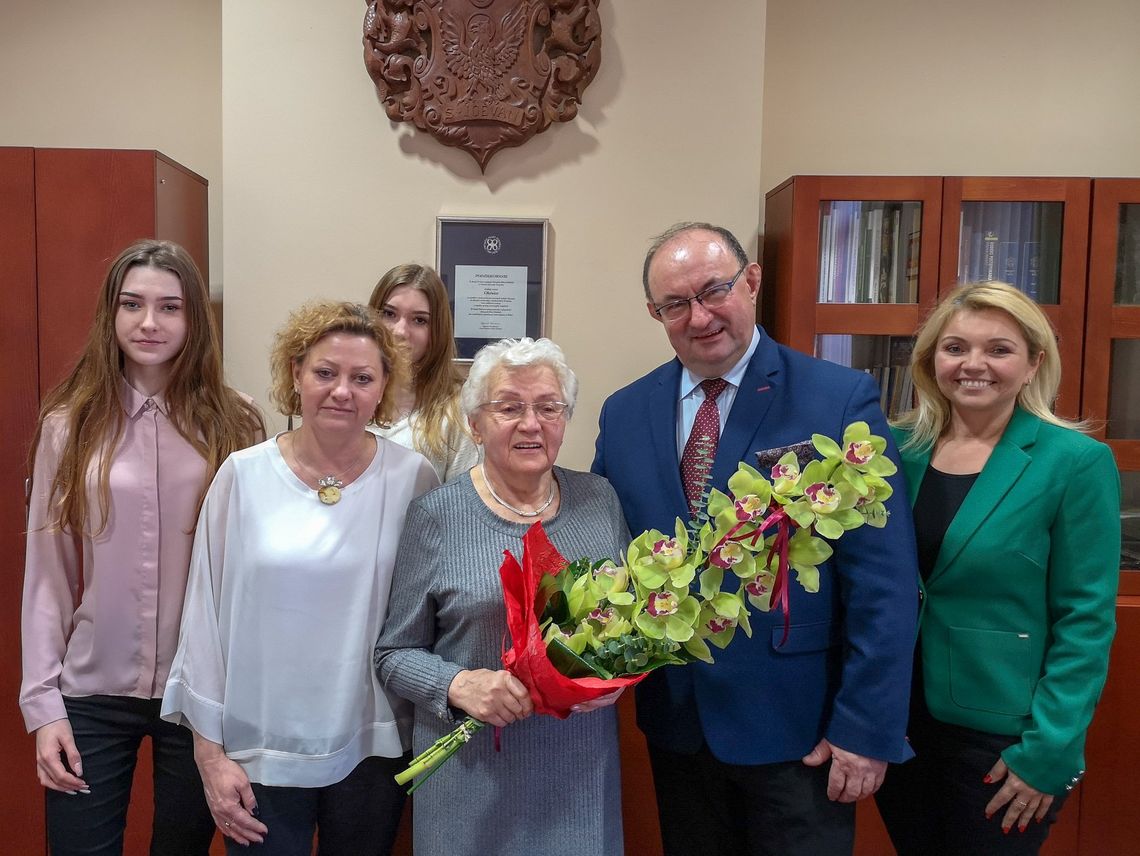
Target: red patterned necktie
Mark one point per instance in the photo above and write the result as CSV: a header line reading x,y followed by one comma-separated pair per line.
x,y
696,461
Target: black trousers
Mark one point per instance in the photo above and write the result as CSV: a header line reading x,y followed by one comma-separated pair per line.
x,y
934,804
357,816
108,731
709,807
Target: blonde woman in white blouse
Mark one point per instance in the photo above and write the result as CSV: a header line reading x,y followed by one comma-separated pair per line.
x,y
288,590
123,452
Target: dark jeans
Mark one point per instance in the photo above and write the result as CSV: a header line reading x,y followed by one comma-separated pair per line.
x,y
934,804
108,731
709,807
355,817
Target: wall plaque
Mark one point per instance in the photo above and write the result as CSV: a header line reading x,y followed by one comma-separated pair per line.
x,y
482,75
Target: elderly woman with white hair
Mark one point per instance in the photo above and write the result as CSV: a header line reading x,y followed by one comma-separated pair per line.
x,y
543,785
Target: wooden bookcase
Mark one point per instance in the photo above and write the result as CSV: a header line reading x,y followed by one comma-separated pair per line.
x,y
1076,242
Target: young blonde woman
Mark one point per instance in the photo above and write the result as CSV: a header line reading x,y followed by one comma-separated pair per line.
x,y
413,304
123,452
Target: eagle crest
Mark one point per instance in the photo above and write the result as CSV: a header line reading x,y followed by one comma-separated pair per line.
x,y
478,58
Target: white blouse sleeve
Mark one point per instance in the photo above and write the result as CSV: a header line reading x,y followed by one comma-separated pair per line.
x,y
195,691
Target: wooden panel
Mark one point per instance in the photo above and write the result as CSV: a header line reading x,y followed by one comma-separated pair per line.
x,y
181,210
1113,750
638,799
872,319
21,810
90,204
1105,321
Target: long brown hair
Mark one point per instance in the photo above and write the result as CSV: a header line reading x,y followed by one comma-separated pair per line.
x,y
213,418
435,378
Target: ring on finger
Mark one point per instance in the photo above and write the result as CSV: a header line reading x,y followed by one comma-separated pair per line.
x,y
226,824
1022,803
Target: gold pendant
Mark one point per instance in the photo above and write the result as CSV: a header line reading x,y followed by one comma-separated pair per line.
x,y
328,491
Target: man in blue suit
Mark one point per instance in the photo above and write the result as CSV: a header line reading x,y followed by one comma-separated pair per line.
x,y
767,750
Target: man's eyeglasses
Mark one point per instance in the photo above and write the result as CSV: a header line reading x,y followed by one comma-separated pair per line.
x,y
509,410
711,297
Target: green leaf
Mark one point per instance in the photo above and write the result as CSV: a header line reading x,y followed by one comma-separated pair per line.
x,y
711,580
848,518
649,574
567,662
807,576
826,446
649,626
800,511
827,527
697,647
678,629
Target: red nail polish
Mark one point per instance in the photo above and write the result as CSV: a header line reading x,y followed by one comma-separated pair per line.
x,y
1005,830
987,778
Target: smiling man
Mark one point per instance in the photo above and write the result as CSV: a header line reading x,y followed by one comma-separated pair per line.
x,y
767,750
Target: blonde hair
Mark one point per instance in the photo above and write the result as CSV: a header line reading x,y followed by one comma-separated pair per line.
x,y
314,321
435,378
931,416
211,417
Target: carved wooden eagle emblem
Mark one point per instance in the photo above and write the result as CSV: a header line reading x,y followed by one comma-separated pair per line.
x,y
482,75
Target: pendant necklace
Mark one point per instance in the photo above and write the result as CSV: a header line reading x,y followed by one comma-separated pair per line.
x,y
509,507
329,487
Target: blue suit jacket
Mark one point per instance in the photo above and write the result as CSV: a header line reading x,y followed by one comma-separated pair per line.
x,y
845,669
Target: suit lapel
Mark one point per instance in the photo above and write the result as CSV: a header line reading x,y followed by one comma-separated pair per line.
x,y
753,400
663,399
1006,464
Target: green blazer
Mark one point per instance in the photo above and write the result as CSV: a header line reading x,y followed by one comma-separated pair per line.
x,y
1019,611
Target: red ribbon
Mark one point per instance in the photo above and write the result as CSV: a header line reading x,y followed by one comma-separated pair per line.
x,y
778,550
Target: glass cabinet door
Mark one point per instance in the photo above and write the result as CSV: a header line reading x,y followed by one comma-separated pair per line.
x,y
885,358
1013,242
869,251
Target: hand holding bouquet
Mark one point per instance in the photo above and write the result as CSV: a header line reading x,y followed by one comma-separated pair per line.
x,y
582,630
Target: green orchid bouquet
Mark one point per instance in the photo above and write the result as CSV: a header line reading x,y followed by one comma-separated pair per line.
x,y
583,629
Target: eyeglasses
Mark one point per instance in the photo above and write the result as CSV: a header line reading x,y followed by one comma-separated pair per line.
x,y
711,298
509,410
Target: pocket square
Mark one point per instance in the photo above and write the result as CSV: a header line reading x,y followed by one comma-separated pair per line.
x,y
805,454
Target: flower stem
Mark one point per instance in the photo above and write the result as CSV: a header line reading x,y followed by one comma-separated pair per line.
x,y
431,759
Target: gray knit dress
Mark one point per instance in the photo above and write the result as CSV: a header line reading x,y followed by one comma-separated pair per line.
x,y
554,788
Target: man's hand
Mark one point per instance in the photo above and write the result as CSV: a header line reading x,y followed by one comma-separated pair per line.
x,y
852,777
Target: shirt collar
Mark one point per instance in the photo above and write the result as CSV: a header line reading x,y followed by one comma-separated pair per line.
x,y
134,402
690,381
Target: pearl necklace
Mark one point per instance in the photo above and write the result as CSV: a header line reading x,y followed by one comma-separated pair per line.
x,y
509,507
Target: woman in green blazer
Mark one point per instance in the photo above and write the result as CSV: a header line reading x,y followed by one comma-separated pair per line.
x,y
1017,521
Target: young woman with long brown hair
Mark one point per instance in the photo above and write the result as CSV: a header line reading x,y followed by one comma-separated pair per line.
x,y
123,452
413,303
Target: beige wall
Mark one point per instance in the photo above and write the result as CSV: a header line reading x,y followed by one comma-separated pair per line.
x,y
130,74
951,87
322,193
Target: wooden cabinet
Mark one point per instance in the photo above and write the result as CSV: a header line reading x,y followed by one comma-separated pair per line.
x,y
1030,232
66,214
1074,245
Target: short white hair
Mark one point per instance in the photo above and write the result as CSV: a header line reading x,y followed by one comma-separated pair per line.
x,y
516,354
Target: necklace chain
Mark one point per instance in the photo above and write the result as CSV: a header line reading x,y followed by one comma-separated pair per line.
x,y
509,507
328,487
